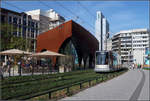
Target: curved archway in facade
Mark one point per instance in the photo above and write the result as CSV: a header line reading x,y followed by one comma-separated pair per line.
x,y
43,50
69,34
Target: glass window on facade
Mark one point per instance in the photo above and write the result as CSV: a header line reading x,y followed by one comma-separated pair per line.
x,y
28,34
29,23
28,29
19,20
32,24
15,20
24,22
20,28
32,30
24,16
36,25
10,19
2,18
144,36
68,48
24,32
36,32
32,35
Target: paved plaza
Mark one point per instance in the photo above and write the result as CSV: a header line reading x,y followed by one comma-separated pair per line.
x,y
133,85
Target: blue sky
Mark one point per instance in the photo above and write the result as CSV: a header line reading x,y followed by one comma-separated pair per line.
x,y
121,15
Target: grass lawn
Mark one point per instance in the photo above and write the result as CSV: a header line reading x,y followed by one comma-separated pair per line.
x,y
146,68
22,87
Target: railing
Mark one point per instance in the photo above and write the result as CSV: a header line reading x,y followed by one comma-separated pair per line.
x,y
59,90
49,92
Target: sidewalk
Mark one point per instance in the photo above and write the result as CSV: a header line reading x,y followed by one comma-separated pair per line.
x,y
119,88
145,93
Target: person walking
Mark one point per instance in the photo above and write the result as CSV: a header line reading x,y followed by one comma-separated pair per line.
x,y
1,73
19,68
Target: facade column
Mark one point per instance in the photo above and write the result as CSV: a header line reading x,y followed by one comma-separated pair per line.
x,y
26,33
84,60
80,60
34,37
90,61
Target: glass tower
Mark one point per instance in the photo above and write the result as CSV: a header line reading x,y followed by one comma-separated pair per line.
x,y
101,29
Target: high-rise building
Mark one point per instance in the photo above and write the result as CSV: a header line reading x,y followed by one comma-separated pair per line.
x,y
131,45
48,19
22,25
108,44
101,30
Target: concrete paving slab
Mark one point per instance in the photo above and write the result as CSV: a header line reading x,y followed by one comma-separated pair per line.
x,y
119,88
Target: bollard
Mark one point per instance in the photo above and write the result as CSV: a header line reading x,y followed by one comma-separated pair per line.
x,y
68,90
80,85
89,83
50,95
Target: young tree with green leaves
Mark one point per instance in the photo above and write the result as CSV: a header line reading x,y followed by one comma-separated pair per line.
x,y
9,41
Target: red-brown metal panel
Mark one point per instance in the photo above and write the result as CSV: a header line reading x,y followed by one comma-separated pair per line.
x,y
53,39
85,43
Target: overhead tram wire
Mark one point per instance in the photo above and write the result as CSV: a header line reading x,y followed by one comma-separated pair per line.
x,y
50,7
86,10
75,15
89,12
21,9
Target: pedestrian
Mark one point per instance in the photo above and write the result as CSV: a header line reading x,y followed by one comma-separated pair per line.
x,y
8,66
1,73
19,67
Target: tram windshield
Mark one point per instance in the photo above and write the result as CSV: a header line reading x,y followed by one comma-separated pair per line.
x,y
101,58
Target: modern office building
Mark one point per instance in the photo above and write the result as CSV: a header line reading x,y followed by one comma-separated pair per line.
x,y
70,39
101,30
22,25
108,44
131,45
48,19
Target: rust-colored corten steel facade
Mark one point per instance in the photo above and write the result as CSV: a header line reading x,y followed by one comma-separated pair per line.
x,y
84,42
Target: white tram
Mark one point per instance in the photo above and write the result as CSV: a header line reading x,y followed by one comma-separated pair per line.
x,y
107,61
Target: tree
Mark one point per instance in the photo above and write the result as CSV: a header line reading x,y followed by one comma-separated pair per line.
x,y
9,41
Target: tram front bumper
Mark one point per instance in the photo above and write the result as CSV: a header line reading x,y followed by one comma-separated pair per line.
x,y
102,68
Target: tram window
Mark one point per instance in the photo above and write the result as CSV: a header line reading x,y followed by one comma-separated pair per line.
x,y
98,58
101,58
115,60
